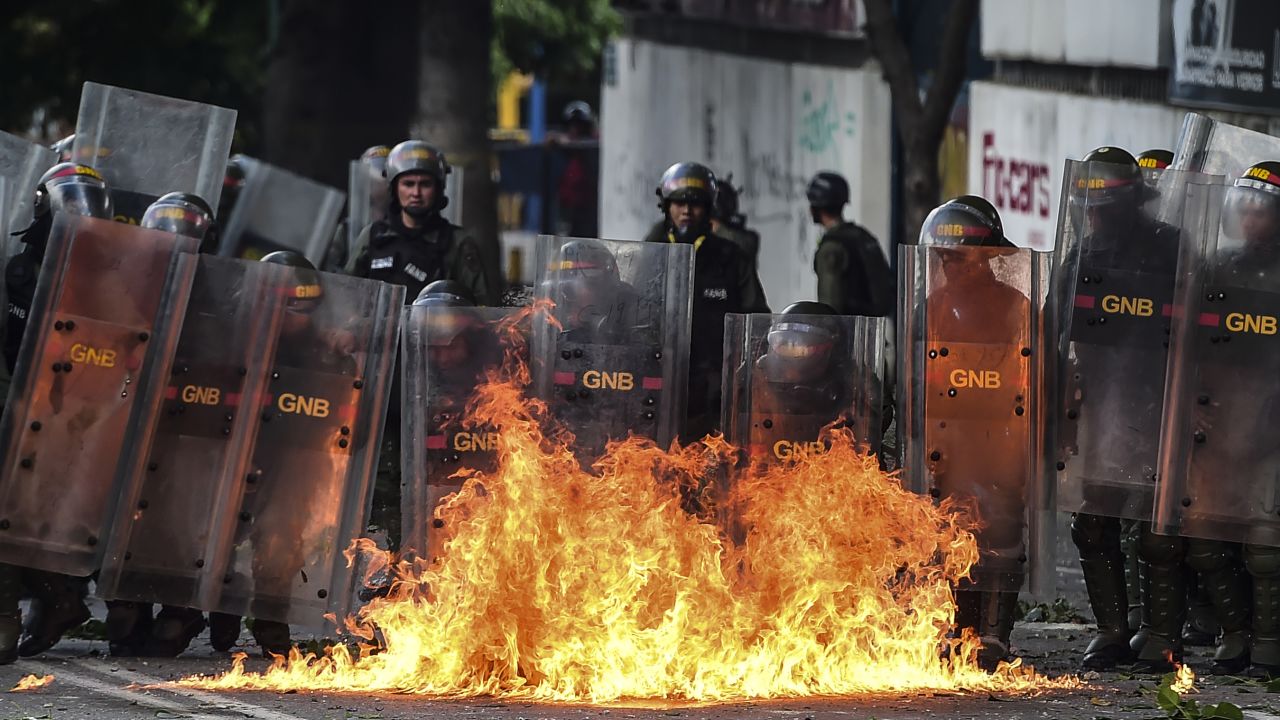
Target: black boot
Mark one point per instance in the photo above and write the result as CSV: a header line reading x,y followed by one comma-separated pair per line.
x,y
10,613
1105,580
61,608
1164,595
224,631
1202,628
128,624
271,636
1263,564
1228,586
996,627
173,631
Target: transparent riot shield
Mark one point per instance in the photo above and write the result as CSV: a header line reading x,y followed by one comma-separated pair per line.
x,y
973,370
1219,460
308,489
147,145
86,387
453,190
613,358
278,210
446,352
172,533
367,199
1214,147
1114,267
21,165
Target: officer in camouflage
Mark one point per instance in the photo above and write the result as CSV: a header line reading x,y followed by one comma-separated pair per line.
x,y
729,222
724,281
853,274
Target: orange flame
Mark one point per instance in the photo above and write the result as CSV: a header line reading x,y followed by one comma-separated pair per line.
x,y
1184,680
559,584
32,682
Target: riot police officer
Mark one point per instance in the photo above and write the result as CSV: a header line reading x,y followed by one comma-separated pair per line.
x,y
853,274
724,281
415,245
974,308
57,605
728,221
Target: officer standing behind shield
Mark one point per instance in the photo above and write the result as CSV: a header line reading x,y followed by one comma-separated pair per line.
x,y
729,222
853,274
413,247
724,281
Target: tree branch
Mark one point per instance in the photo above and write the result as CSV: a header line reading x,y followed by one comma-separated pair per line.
x,y
952,62
895,63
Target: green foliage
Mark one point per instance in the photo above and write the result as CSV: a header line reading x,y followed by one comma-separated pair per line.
x,y
206,50
1177,708
561,38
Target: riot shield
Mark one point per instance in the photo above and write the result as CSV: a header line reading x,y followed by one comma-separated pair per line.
x,y
307,492
1213,147
975,360
278,210
1114,266
453,190
172,533
446,353
147,145
367,198
21,165
1219,461
613,358
86,388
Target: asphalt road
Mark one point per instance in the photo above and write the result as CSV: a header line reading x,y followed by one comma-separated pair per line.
x,y
90,686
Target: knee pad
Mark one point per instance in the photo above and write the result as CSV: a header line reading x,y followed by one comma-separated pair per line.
x,y
1262,561
1207,556
1160,550
1095,535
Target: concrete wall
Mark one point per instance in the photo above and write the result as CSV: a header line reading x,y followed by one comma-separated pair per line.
x,y
1129,33
1019,140
771,124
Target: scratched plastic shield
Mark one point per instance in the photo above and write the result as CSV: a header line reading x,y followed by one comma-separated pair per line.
x,y
973,376
612,359
1114,268
279,210
87,387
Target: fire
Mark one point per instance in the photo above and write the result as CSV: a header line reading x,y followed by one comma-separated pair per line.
x,y
1184,678
562,584
32,682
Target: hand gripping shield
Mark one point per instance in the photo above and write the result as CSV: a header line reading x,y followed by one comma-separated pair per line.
x,y
307,492
278,210
446,353
972,379
86,388
367,198
1114,266
1219,460
172,533
618,362
147,145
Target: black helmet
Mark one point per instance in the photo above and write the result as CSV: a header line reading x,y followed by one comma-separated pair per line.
x,y
687,182
965,220
1113,176
584,279
417,156
1155,159
578,111
828,191
585,258
1257,190
726,207
445,293
73,188
801,342
305,290
185,214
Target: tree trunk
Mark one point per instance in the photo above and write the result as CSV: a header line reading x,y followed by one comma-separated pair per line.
x,y
454,95
342,76
920,184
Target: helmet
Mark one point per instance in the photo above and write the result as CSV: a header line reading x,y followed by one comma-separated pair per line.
x,y
417,156
1113,177
375,158
801,342
73,188
726,207
232,182
583,276
687,182
965,220
828,191
587,259
1155,159
1254,196
63,147
185,214
578,111
305,291
445,293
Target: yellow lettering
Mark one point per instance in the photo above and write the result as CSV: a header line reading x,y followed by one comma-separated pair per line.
x,y
303,405
982,379
790,449
1142,307
601,380
201,395
88,355
1253,324
473,442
